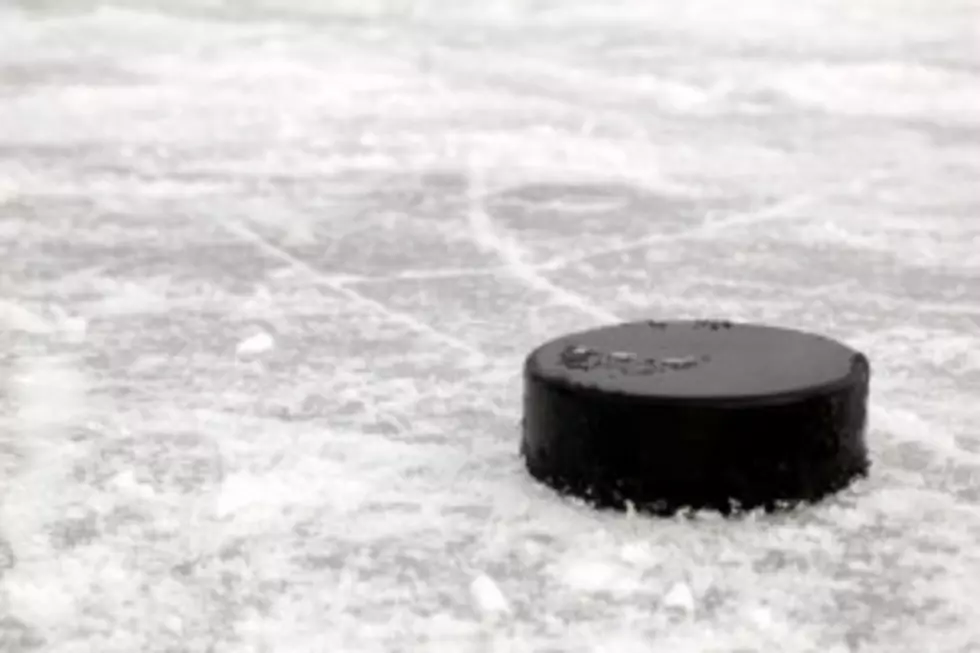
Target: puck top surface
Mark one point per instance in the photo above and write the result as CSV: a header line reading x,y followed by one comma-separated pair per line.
x,y
697,360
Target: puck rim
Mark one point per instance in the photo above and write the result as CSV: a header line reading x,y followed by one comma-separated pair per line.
x,y
859,366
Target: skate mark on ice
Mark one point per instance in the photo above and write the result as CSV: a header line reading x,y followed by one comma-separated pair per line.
x,y
764,215
490,236
411,322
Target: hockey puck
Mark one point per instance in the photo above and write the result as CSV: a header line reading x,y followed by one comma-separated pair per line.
x,y
664,416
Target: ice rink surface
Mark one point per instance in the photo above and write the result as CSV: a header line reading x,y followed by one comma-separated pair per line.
x,y
268,271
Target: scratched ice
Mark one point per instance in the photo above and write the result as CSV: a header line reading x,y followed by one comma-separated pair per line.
x,y
267,276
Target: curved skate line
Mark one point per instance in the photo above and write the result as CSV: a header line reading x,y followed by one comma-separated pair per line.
x,y
245,233
493,238
760,216
427,275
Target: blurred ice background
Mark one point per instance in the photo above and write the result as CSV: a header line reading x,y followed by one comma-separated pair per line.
x,y
268,270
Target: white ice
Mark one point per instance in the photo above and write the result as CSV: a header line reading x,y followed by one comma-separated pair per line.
x,y
268,271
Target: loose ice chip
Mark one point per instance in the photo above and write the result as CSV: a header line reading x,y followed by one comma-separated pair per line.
x,y
257,344
680,597
487,597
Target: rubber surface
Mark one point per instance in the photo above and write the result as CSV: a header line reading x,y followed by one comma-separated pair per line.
x,y
695,414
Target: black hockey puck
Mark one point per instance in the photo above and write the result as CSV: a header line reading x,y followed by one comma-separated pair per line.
x,y
664,416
